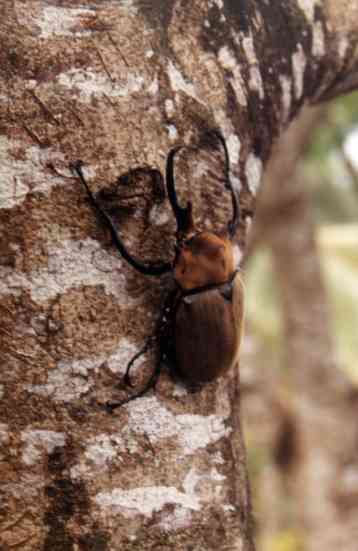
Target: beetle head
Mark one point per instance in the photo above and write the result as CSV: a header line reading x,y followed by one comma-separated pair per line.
x,y
204,259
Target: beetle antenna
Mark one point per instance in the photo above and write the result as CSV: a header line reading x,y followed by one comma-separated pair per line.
x,y
148,268
183,215
233,224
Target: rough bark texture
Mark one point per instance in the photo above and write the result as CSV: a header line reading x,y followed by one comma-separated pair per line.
x,y
116,84
317,440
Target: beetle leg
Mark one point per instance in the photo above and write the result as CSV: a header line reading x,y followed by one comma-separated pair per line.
x,y
147,268
162,334
111,406
148,344
233,224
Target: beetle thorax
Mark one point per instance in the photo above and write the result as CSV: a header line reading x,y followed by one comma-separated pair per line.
x,y
205,259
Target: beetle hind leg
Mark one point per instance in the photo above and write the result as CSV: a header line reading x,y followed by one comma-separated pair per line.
x,y
111,406
166,356
151,383
148,344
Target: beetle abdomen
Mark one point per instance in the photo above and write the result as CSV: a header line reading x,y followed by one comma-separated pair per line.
x,y
208,328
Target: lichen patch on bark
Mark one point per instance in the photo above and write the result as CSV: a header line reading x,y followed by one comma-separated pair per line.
x,y
72,264
38,441
308,7
23,173
191,431
253,173
145,501
229,62
318,42
71,379
89,83
299,62
59,21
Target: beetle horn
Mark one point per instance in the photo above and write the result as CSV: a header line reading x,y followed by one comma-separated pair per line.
x,y
183,215
233,224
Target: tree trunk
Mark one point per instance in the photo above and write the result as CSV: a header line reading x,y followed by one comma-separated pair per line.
x,y
320,448
116,84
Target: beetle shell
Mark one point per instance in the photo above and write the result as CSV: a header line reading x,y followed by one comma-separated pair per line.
x,y
208,331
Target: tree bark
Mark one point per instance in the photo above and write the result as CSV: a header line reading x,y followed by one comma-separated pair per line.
x,y
116,85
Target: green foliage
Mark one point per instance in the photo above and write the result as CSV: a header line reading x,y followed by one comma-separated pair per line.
x,y
341,118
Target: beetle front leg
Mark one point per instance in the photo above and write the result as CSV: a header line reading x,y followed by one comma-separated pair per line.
x,y
144,268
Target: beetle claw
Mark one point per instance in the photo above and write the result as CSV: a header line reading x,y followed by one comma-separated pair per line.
x,y
111,406
76,166
127,380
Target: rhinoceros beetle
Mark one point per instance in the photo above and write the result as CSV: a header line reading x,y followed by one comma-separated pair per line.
x,y
199,330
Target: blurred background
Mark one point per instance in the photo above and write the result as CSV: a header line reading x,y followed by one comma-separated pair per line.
x,y
299,366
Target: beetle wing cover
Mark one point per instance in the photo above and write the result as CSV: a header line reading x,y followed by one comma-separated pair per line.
x,y
208,331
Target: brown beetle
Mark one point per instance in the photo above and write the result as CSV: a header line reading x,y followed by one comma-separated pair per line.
x,y
200,327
